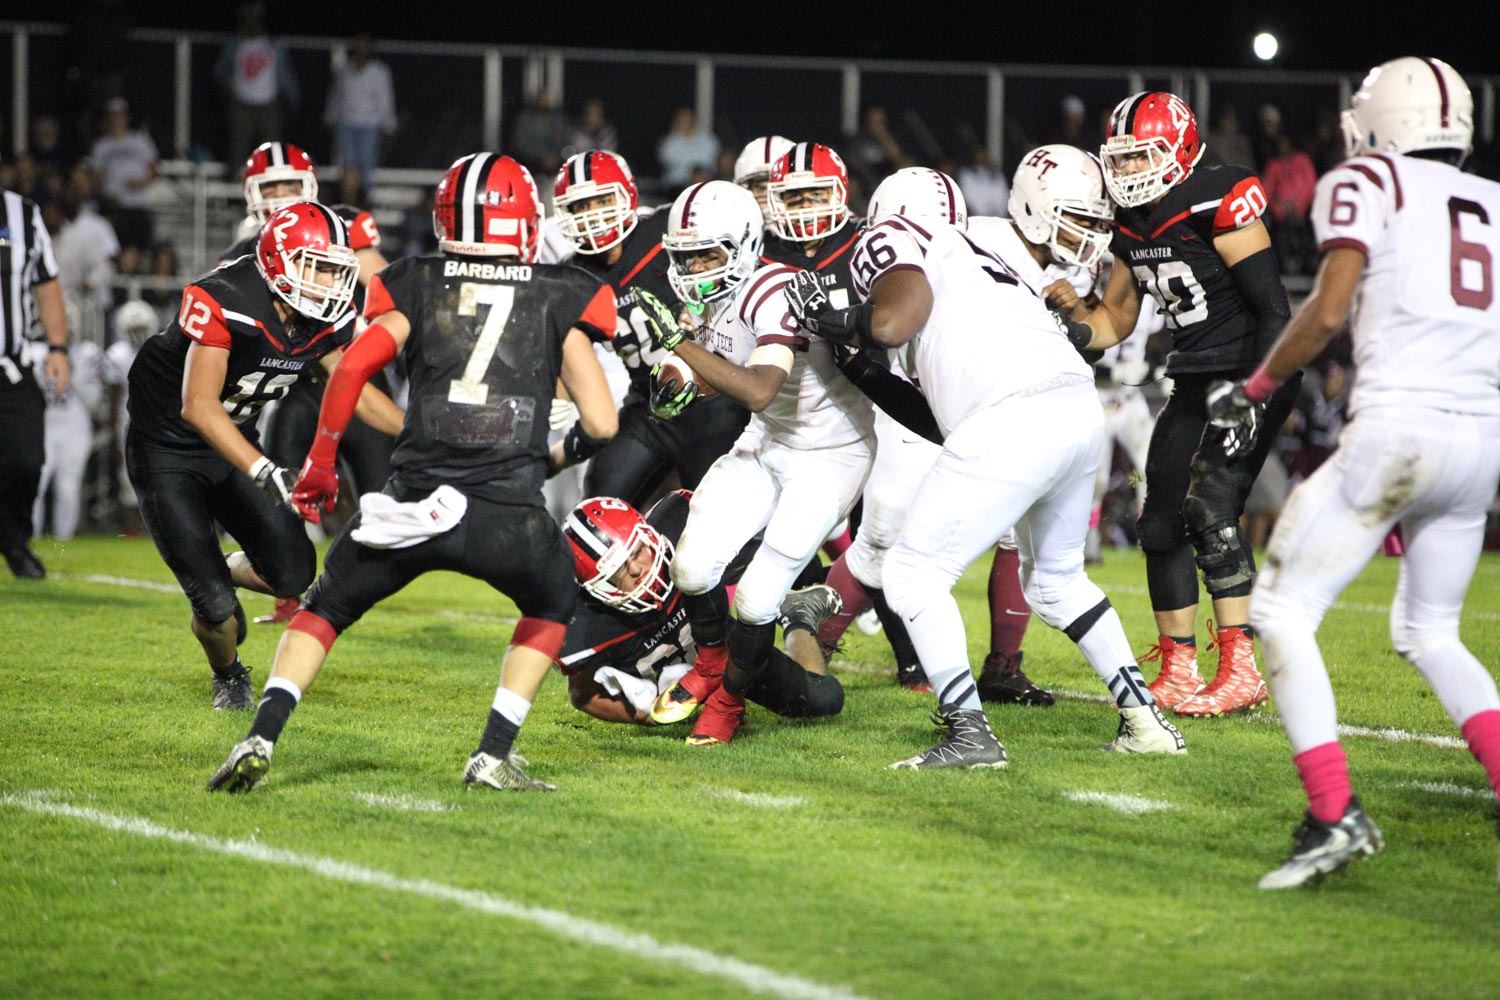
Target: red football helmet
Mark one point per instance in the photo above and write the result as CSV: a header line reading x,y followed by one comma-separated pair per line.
x,y
605,533
274,162
487,205
1162,127
596,173
808,166
297,244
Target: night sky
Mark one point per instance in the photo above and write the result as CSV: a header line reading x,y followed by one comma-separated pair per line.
x,y
1313,35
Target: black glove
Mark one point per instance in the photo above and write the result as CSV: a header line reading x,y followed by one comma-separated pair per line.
x,y
666,332
1236,414
812,310
272,478
669,396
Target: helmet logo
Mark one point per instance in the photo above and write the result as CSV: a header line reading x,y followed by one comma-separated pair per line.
x,y
1041,160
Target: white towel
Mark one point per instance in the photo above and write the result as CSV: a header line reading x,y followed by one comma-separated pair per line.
x,y
386,523
641,692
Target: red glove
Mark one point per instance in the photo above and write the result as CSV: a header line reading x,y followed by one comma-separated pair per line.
x,y
317,486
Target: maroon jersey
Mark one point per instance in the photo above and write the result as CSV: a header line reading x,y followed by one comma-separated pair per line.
x,y
833,261
483,356
231,308
1169,248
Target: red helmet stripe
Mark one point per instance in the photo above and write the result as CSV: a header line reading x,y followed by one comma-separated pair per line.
x,y
1442,90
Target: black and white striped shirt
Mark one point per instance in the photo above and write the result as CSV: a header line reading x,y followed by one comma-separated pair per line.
x,y
26,261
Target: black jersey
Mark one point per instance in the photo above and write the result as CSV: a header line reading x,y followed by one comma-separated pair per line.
x,y
602,636
483,356
642,264
833,261
1169,247
233,308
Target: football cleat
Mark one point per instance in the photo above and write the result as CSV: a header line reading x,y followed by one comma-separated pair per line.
x,y
233,691
721,718
676,704
501,774
248,762
1002,680
1319,848
24,563
810,607
1179,678
869,622
912,677
1145,730
286,608
1237,686
967,741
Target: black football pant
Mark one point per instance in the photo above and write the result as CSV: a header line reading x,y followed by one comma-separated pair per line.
x,y
291,426
22,450
1194,490
519,551
183,492
632,464
789,690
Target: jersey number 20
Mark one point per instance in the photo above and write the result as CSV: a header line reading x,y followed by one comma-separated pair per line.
x,y
1173,285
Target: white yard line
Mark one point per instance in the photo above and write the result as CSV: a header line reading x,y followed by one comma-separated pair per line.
x,y
403,803
565,925
1133,804
1448,788
755,798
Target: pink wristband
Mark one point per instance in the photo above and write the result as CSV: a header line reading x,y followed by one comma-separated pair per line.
x,y
1260,385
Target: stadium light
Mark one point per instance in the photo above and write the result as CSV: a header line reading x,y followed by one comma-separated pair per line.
x,y
1265,46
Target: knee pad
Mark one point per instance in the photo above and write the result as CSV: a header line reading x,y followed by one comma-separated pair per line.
x,y
1063,603
214,603
1227,564
288,574
707,615
825,696
750,646
693,572
1414,643
1160,532
866,562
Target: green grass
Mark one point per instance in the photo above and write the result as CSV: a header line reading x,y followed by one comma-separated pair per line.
x,y
885,884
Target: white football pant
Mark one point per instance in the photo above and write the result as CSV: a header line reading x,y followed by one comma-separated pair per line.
x,y
1128,421
902,458
69,441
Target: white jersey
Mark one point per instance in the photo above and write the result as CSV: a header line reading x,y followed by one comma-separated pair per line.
x,y
1427,318
816,407
989,335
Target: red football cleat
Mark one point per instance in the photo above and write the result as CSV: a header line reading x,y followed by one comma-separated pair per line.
x,y
1237,686
722,714
286,608
1179,678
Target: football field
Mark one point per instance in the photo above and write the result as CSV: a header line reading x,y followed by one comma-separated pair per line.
x,y
789,864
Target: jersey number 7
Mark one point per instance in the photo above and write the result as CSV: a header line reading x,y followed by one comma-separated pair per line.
x,y
470,389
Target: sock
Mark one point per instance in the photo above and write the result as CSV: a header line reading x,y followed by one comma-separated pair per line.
x,y
1249,632
955,687
1104,646
504,723
856,602
1324,771
836,546
1009,612
232,670
1129,688
1183,640
1482,733
276,704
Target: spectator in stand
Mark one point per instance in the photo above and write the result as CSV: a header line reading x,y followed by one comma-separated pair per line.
x,y
985,187
1067,130
259,78
165,300
24,177
540,135
46,143
1326,147
125,160
873,152
1267,142
1290,179
594,130
1227,144
687,147
361,108
85,248
417,237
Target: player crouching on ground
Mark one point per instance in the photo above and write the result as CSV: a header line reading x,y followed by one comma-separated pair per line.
x,y
629,639
486,336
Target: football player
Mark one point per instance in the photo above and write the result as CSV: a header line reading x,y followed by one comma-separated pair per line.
x,y
940,293
1414,240
278,174
486,334
752,168
245,334
620,243
794,473
1192,238
629,639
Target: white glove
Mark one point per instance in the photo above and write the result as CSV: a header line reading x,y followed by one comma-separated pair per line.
x,y
563,416
1132,372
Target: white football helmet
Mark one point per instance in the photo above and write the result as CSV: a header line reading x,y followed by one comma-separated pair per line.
x,y
1060,189
920,193
136,322
752,168
712,215
1407,105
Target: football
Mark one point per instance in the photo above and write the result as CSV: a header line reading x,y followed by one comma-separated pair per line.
x,y
673,367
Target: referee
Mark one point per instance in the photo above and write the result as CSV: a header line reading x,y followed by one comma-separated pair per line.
x,y
29,291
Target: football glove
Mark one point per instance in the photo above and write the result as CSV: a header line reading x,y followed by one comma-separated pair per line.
x,y
276,481
670,397
562,415
666,332
811,309
1236,414
317,488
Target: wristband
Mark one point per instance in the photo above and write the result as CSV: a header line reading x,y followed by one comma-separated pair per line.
x,y
259,466
577,445
57,348
1080,335
1258,387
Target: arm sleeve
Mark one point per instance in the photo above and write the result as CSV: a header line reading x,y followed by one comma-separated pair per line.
x,y
369,353
1351,206
1258,280
901,400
